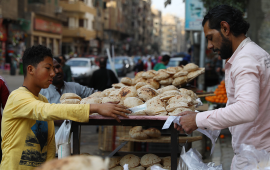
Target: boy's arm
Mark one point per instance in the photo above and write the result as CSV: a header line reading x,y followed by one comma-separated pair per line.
x,y
51,141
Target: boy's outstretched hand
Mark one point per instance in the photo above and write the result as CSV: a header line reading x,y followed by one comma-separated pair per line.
x,y
110,110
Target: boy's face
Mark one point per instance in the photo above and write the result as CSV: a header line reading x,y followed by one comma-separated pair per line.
x,y
44,73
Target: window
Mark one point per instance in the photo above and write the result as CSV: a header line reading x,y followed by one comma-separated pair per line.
x,y
36,40
81,22
86,23
51,44
44,42
56,2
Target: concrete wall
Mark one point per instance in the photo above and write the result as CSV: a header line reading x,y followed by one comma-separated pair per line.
x,y
9,10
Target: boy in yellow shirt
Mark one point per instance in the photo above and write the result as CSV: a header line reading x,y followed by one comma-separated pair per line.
x,y
27,123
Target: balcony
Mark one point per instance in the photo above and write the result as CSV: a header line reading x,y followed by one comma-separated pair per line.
x,y
77,6
79,33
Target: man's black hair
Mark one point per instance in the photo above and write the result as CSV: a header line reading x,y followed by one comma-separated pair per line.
x,y
232,16
57,59
34,55
65,59
103,62
166,58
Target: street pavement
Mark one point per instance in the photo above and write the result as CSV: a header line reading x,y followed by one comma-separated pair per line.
x,y
222,154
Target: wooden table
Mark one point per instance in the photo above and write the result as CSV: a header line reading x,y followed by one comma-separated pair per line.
x,y
132,121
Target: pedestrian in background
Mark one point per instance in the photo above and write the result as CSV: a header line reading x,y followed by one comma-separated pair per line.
x,y
103,78
187,57
139,66
149,65
165,60
66,69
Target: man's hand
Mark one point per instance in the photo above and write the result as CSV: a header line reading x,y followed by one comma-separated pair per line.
x,y
110,110
188,122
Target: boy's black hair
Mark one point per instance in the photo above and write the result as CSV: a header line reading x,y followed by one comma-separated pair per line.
x,y
34,55
232,16
166,58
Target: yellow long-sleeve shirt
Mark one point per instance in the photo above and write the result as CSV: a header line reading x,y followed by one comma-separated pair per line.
x,y
28,128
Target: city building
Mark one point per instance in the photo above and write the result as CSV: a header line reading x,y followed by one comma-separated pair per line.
x,y
42,23
78,33
157,31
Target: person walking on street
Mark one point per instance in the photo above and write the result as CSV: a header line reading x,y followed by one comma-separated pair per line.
x,y
103,78
247,79
139,67
66,69
165,60
149,65
187,57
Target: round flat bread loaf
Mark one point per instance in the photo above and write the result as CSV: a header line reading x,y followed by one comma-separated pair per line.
x,y
108,91
178,110
91,100
180,98
127,81
148,75
131,160
114,161
171,70
138,75
132,102
127,92
155,102
81,162
140,80
137,168
149,168
167,88
180,73
149,160
179,81
191,67
139,85
135,129
146,93
148,86
139,135
114,93
192,75
166,81
179,68
189,93
166,162
153,83
150,112
169,94
192,108
98,94
162,74
70,101
115,100
163,113
70,96
173,106
117,168
152,133
118,85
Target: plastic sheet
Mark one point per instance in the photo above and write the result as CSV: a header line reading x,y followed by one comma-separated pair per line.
x,y
63,134
249,158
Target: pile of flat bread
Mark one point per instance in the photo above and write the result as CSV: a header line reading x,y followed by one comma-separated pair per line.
x,y
176,76
136,163
165,101
137,132
70,98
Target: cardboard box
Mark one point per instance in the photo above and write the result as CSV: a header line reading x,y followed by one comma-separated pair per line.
x,y
202,108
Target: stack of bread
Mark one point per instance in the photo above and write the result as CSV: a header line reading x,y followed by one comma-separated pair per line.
x,y
165,101
138,133
136,163
176,76
70,98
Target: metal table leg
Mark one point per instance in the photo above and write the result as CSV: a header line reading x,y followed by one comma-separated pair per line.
x,y
76,140
174,147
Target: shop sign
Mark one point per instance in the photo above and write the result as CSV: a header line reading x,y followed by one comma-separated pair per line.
x,y
194,15
47,26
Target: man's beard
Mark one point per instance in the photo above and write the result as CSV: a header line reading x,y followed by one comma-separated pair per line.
x,y
225,49
57,81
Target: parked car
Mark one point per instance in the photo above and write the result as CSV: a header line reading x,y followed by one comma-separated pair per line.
x,y
174,62
121,65
82,69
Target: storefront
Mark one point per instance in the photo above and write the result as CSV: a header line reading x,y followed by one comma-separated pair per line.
x,y
46,31
3,39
